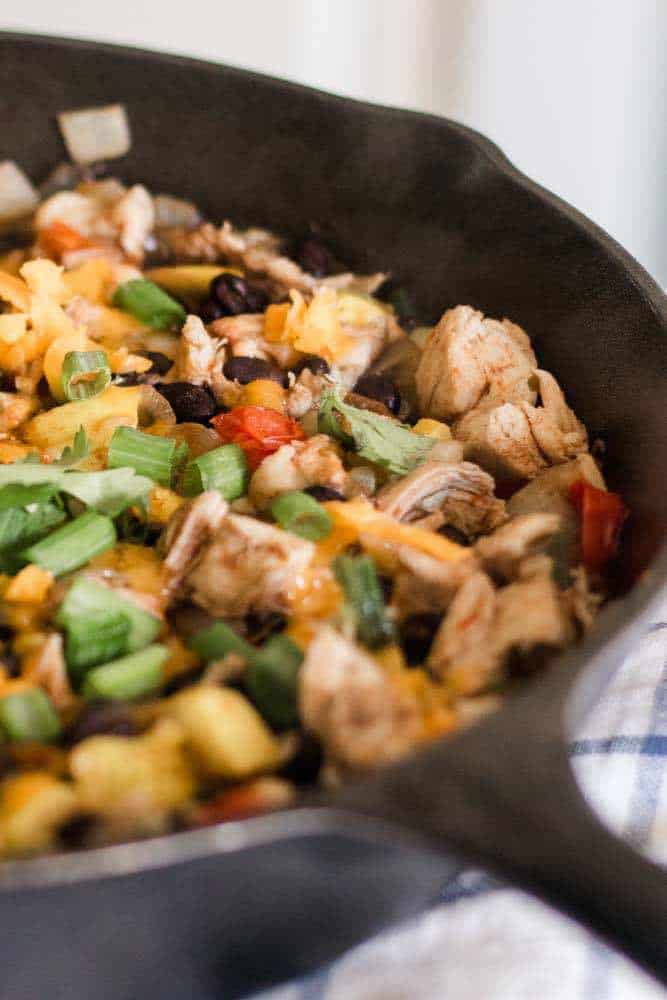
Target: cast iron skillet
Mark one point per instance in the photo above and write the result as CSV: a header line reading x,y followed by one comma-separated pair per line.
x,y
217,912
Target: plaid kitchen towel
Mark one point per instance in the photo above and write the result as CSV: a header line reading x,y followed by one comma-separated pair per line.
x,y
487,942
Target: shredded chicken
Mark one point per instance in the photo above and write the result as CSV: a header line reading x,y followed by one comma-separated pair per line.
x,y
557,432
425,585
296,466
192,526
14,409
245,336
501,552
467,358
348,702
248,566
49,670
135,217
199,358
305,393
462,492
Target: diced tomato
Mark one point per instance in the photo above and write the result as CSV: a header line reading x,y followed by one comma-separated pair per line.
x,y
58,238
250,799
602,515
258,430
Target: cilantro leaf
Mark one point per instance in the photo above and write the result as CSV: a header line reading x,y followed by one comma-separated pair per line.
x,y
77,451
109,492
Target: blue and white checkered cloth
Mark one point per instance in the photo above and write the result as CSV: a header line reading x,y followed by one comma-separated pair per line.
x,y
487,942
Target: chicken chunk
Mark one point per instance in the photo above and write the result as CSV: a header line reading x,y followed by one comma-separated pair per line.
x,y
199,358
558,433
502,552
351,704
296,466
248,566
49,670
245,336
134,215
192,526
468,358
461,491
425,585
305,393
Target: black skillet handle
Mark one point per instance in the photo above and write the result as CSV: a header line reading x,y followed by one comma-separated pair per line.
x,y
504,797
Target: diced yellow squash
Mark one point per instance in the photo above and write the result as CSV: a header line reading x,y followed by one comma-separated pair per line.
x,y
44,278
138,567
433,428
112,327
55,355
112,772
162,503
188,279
15,291
264,392
13,326
31,585
274,321
92,280
227,736
58,426
313,328
32,807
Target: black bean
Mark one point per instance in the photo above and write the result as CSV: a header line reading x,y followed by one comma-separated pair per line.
x,y
304,766
521,663
210,310
315,258
261,626
416,635
7,383
236,295
77,832
381,388
316,364
322,493
246,370
109,717
454,534
190,403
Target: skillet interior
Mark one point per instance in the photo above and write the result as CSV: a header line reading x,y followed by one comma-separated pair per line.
x,y
437,204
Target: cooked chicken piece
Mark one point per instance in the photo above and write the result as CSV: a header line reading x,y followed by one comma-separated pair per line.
x,y
192,526
462,492
468,358
296,466
49,670
370,338
199,358
557,431
502,552
530,613
580,601
198,244
305,393
248,566
245,336
135,217
425,585
363,284
351,705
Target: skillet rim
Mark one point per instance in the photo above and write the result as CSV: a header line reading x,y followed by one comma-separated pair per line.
x,y
616,620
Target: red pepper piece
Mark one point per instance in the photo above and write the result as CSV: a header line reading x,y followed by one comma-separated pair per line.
x,y
602,515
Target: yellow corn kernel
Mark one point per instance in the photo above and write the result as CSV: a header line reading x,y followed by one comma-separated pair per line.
x,y
32,807
264,392
13,326
274,321
227,736
10,452
162,503
433,428
30,586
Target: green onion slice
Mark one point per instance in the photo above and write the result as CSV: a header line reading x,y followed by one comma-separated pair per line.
x,y
224,469
19,495
88,598
147,454
29,716
302,515
271,680
72,545
129,677
217,640
95,638
85,374
145,300
363,595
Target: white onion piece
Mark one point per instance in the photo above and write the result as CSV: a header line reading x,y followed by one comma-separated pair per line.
x,y
17,195
92,134
175,212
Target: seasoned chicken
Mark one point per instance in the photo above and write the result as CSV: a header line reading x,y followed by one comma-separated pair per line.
x,y
468,358
351,705
425,585
461,491
296,466
248,566
502,552
305,393
199,358
558,433
245,336
135,217
192,526
49,670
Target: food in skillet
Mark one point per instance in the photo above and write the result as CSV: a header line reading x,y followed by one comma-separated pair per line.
x,y
256,530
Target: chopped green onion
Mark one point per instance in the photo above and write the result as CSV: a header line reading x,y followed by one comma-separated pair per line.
x,y
302,515
108,492
358,578
74,452
29,716
87,598
73,545
85,374
271,680
224,469
129,677
147,454
95,638
20,527
149,304
217,640
25,496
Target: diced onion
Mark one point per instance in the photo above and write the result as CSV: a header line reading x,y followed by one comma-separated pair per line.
x,y
17,195
92,134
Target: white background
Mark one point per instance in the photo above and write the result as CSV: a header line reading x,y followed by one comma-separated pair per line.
x,y
574,91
